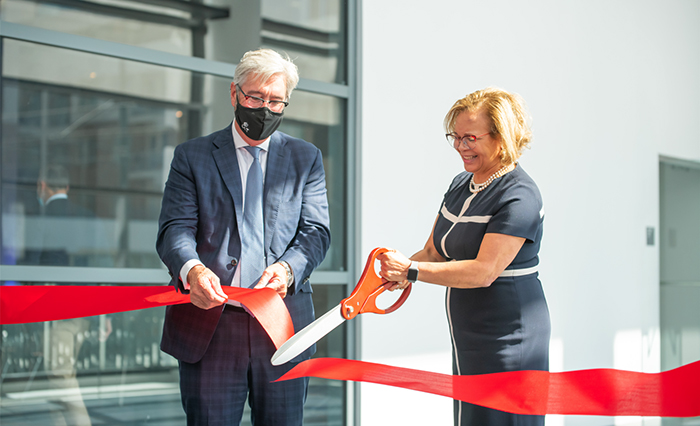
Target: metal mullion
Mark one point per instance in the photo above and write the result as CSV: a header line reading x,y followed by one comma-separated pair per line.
x,y
112,49
299,31
144,55
199,10
2,180
87,275
128,13
354,175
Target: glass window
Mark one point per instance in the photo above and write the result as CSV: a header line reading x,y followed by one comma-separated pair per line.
x,y
312,32
101,131
109,369
320,119
96,134
85,149
93,370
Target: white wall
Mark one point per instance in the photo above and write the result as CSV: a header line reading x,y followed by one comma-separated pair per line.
x,y
611,85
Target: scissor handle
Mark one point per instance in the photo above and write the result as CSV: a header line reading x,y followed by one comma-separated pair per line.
x,y
364,297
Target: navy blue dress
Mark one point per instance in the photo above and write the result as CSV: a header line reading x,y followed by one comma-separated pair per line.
x,y
504,327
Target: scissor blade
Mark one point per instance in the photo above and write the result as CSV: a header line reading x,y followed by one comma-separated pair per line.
x,y
309,335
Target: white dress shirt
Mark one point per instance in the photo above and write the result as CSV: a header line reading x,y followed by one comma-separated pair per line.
x,y
245,160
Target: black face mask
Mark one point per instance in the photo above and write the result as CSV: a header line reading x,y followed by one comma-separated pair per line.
x,y
257,123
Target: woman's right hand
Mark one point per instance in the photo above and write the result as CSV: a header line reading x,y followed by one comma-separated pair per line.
x,y
394,268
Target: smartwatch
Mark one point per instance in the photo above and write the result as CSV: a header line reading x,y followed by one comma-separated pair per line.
x,y
412,275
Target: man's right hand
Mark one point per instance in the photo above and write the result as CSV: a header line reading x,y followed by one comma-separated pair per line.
x,y
205,289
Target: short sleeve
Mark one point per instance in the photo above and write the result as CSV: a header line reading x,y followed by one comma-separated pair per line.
x,y
520,214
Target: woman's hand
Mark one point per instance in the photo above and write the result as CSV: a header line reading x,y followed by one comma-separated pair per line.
x,y
394,268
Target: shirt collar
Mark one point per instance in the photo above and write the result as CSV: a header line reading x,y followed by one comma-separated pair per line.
x,y
59,196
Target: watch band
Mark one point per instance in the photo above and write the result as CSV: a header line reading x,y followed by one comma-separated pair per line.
x,y
290,274
412,275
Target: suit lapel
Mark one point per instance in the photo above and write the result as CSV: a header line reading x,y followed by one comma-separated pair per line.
x,y
275,178
227,163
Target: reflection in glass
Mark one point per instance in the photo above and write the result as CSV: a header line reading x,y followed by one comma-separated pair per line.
x,y
319,119
312,32
113,131
86,147
109,369
325,404
86,371
111,146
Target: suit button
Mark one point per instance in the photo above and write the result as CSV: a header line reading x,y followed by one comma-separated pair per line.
x,y
234,261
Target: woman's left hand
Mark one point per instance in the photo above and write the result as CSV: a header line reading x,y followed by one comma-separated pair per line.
x,y
394,268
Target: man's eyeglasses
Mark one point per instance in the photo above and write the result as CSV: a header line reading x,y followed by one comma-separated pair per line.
x,y
256,102
455,141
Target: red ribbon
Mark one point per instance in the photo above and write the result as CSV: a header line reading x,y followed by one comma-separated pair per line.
x,y
24,304
602,392
599,392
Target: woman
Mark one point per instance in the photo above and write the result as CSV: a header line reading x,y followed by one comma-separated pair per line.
x,y
484,247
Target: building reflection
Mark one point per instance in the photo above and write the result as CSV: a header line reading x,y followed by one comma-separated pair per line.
x,y
107,126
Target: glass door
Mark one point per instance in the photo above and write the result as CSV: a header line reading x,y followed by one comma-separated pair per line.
x,y
680,267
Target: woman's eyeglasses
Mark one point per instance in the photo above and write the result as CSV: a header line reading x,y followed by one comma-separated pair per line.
x,y
455,140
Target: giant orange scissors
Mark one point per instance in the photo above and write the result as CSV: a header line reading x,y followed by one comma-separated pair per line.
x,y
362,300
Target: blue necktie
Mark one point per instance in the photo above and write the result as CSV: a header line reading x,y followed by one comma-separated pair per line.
x,y
252,235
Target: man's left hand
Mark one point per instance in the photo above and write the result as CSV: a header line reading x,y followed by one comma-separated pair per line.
x,y
274,277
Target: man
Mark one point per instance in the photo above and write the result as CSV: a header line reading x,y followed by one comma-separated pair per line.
x,y
62,225
219,225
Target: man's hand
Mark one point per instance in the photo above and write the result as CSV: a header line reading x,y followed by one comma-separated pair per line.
x,y
205,289
274,277
105,332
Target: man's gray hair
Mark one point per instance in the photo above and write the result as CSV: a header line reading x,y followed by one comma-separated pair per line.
x,y
55,176
263,64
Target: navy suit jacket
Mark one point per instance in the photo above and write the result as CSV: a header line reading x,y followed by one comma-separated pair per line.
x,y
202,212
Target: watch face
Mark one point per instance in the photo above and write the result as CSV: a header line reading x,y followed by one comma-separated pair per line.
x,y
412,275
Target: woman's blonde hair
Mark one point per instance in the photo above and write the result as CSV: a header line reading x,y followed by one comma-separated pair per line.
x,y
508,115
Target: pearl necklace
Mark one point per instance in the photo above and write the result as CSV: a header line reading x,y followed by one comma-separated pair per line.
x,y
478,187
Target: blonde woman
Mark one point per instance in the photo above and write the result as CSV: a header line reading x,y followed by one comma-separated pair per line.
x,y
484,248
